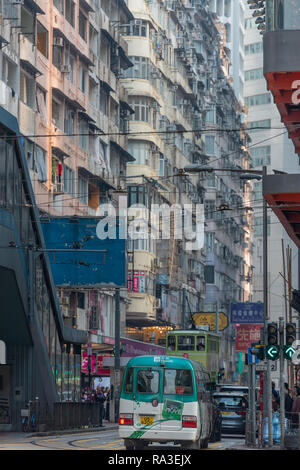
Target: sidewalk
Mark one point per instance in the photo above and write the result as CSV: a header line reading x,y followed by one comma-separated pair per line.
x,y
21,435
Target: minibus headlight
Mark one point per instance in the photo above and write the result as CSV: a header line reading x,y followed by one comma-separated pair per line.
x,y
189,421
126,419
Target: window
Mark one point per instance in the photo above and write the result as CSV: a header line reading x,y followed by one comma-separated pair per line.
x,y
82,26
147,381
41,164
178,382
42,39
186,343
140,151
257,100
70,12
69,121
28,24
27,89
41,103
57,55
59,4
137,195
141,108
209,208
200,345
171,345
103,101
137,28
258,226
9,73
81,300
250,23
265,124
210,144
83,131
140,69
57,116
83,190
69,180
255,48
57,170
128,387
261,155
254,74
82,78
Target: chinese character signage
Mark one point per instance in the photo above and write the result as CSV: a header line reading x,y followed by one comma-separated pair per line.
x,y
247,312
136,283
245,335
211,320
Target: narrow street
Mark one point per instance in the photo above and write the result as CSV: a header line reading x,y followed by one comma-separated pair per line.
x,y
106,440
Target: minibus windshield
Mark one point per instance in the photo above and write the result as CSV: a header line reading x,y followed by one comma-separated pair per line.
x,y
178,382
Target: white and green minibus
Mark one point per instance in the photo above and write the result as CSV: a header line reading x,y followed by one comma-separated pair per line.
x,y
165,399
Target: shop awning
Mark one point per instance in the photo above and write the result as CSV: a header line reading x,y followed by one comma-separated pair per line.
x,y
282,193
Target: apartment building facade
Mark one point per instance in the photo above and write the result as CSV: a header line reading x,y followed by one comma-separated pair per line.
x,y
270,146
180,83
61,63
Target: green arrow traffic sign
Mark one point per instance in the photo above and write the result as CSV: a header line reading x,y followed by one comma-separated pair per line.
x,y
288,351
272,352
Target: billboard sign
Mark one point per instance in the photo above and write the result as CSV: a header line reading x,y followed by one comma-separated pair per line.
x,y
245,336
211,320
79,258
247,312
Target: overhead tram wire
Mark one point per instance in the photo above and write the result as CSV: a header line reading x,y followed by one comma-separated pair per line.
x,y
119,134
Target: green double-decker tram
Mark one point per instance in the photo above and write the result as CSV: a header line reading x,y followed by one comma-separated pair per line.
x,y
198,345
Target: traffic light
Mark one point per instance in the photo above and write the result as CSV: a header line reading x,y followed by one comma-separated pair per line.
x,y
290,333
272,352
290,337
221,373
272,331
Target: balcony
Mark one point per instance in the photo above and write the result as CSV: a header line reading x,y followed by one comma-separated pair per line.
x,y
282,62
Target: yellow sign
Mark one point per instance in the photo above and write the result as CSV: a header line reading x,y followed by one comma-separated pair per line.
x,y
210,319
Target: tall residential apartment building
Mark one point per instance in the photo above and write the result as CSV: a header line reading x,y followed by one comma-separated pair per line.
x,y
231,13
115,95
270,146
61,62
180,83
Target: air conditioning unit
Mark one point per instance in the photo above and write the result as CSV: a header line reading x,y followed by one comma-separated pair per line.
x,y
65,300
65,312
65,68
58,41
137,22
58,188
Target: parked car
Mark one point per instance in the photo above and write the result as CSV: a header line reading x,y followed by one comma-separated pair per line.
x,y
217,424
233,388
238,389
233,407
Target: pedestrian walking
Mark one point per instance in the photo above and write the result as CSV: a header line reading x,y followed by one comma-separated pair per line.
x,y
275,394
288,401
100,398
296,407
107,403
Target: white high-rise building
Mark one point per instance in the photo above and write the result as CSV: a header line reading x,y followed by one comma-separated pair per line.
x,y
270,146
231,14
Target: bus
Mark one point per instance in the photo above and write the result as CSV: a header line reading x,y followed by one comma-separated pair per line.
x,y
166,399
198,345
